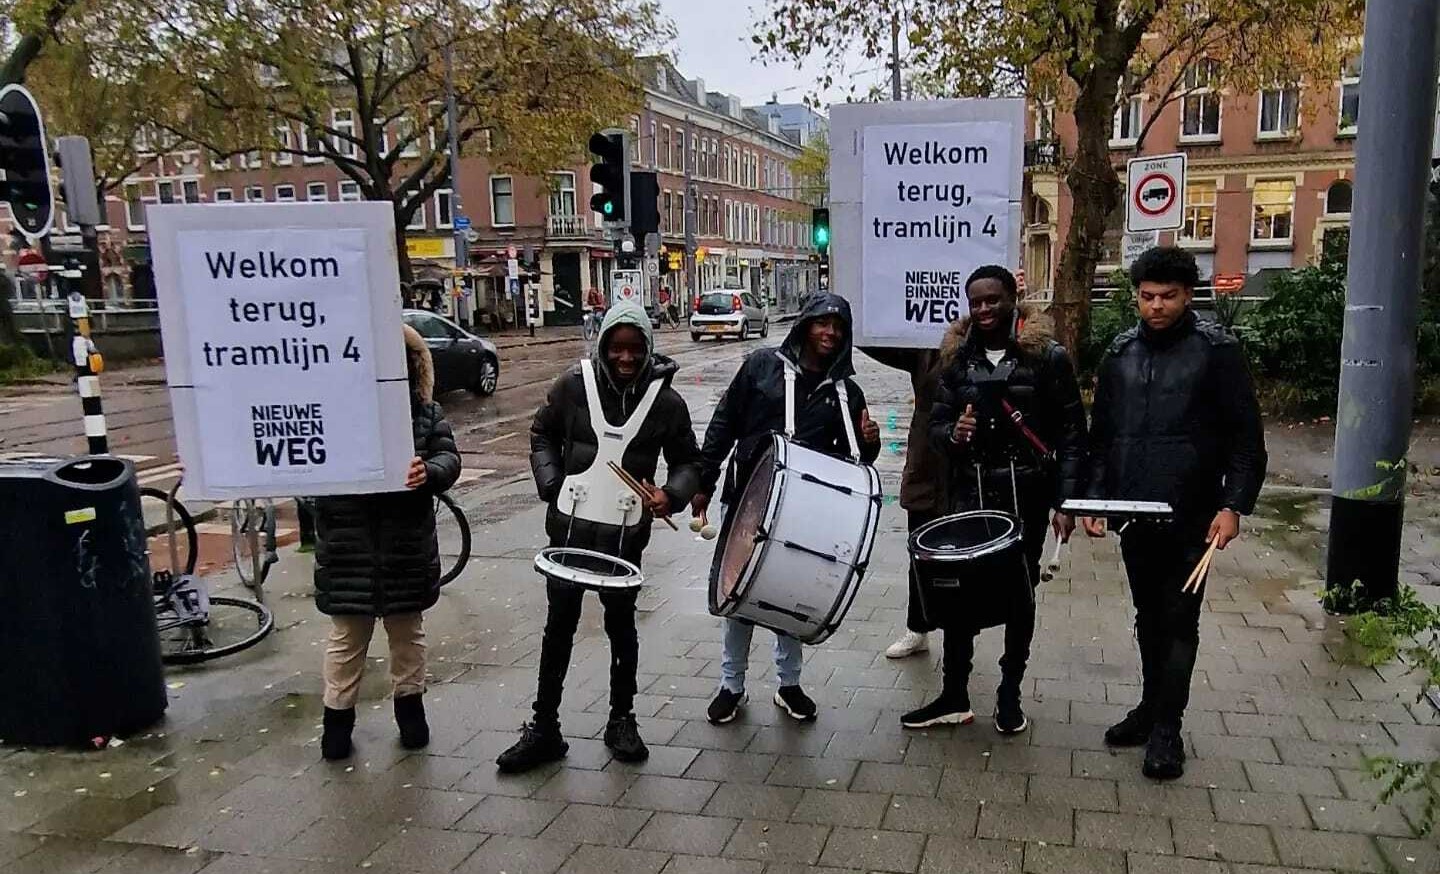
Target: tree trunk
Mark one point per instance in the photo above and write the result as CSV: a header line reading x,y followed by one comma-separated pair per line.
x,y
8,333
1094,193
402,254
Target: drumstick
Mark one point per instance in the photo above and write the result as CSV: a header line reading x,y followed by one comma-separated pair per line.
x,y
1052,564
638,489
1202,568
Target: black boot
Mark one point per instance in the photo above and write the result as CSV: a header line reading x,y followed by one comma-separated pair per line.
x,y
410,716
622,736
538,745
335,739
1164,752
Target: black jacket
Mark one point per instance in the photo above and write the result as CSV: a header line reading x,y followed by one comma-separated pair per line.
x,y
1175,419
562,442
753,406
1037,378
377,555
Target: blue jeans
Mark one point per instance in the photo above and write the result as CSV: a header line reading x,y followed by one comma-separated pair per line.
x,y
736,658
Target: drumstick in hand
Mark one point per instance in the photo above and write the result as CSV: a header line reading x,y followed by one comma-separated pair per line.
x,y
1202,569
1052,564
638,489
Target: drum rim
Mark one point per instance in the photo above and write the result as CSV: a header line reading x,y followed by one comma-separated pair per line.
x,y
726,606
632,579
999,544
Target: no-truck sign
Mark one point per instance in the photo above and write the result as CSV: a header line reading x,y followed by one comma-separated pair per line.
x,y
1154,195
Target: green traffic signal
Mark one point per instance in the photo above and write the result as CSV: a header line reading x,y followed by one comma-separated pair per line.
x,y
822,236
820,228
609,207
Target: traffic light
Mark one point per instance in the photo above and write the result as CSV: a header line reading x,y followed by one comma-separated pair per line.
x,y
612,174
820,229
644,205
24,162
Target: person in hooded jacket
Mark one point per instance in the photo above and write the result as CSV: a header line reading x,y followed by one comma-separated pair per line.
x,y
563,443
750,411
1003,357
377,558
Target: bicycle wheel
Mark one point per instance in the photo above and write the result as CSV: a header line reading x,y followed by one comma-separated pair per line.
x,y
186,539
234,624
252,516
447,511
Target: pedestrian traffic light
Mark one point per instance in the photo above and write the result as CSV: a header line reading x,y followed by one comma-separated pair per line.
x,y
24,162
612,174
644,206
820,229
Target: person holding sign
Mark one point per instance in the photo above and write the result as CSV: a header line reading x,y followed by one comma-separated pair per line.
x,y
377,558
1175,421
623,397
1009,418
751,410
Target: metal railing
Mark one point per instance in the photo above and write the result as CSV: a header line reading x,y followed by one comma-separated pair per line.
x,y
567,226
1043,153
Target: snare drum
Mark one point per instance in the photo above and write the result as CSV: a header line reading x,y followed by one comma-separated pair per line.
x,y
797,542
971,569
588,568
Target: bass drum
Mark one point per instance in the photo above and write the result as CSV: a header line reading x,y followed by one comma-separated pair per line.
x,y
797,542
971,569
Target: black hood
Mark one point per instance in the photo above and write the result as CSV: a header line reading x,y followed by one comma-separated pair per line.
x,y
842,364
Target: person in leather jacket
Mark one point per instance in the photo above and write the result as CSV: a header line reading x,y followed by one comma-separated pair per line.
x,y
1009,419
1175,420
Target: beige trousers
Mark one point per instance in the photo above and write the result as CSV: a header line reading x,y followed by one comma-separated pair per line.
x,y
345,656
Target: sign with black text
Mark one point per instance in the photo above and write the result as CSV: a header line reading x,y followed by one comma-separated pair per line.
x,y
283,349
1155,193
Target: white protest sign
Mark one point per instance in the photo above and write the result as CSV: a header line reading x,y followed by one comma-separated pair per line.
x,y
1133,245
283,347
923,193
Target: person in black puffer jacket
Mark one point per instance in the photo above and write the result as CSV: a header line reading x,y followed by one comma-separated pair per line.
x,y
377,557
1003,357
1176,421
564,446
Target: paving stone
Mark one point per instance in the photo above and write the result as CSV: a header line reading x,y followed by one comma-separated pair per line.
x,y
501,815
1260,808
876,747
704,865
988,787
1293,778
953,855
1225,841
740,800
247,830
873,850
1312,849
1263,725
812,773
1046,859
425,849
664,761
1148,863
591,824
1027,822
853,809
896,779
1371,711
1016,759
1123,831
1319,755
1254,749
934,816
1410,856
1075,792
587,787
61,855
686,834
486,779
614,860
1068,736
668,793
777,841
1218,773
734,736
1360,817
731,767
512,855
346,841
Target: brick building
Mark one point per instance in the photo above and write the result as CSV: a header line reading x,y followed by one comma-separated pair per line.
x,y
1269,174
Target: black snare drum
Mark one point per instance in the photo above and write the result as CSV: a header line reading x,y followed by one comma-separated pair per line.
x,y
971,569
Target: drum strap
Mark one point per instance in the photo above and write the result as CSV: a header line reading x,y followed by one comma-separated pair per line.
x,y
840,391
845,418
789,399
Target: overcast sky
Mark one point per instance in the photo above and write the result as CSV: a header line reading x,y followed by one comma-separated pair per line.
x,y
713,43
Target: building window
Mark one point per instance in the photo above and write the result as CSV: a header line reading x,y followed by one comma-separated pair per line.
x,y
443,207
1129,115
1200,110
1350,97
1199,212
223,195
1274,210
654,147
285,139
254,194
562,194
1045,120
317,192
1279,112
310,141
135,207
405,137
502,201
665,208
165,191
348,191
634,139
219,165
284,193
1339,198
417,218
252,159
190,191
382,134
694,154
343,120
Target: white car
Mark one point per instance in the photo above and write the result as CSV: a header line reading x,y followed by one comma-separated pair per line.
x,y
732,313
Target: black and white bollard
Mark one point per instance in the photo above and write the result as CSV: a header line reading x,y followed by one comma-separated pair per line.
x,y
88,365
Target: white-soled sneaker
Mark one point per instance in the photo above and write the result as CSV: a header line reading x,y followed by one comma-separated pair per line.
x,y
909,644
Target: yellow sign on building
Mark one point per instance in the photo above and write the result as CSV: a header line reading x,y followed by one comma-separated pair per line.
x,y
425,247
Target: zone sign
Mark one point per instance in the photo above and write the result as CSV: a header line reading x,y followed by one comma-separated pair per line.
x,y
1155,193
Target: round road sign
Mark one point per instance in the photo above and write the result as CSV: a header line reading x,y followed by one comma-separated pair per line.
x,y
627,291
1155,194
32,263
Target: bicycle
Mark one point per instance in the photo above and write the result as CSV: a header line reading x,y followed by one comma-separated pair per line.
x,y
591,323
446,510
252,541
193,625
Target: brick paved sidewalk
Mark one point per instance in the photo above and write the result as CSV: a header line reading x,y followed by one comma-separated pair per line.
x,y
1277,734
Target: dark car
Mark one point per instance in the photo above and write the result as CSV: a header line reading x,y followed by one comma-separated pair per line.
x,y
462,360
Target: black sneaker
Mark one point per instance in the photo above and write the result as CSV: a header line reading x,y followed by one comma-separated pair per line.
x,y
535,747
1132,731
725,707
622,736
335,741
1164,753
794,701
941,711
1009,718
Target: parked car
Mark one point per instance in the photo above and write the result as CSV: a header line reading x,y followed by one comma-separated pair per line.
x,y
729,313
462,359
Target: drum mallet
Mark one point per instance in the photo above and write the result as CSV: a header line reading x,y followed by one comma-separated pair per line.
x,y
701,525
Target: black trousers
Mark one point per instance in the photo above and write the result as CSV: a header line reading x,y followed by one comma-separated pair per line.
x,y
1158,559
915,619
561,621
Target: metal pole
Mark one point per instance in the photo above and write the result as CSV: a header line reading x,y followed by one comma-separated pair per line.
x,y
895,57
462,251
1377,358
83,356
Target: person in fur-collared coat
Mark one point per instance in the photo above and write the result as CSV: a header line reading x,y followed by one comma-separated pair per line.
x,y
1008,420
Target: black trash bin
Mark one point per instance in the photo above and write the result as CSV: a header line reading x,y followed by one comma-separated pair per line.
x,y
79,653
